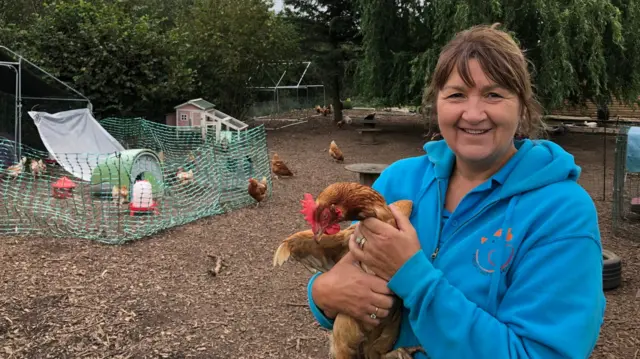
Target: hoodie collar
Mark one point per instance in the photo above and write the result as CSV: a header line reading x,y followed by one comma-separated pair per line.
x,y
535,164
443,159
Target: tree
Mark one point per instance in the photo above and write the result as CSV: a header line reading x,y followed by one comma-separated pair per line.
x,y
388,47
330,37
123,64
141,57
19,12
580,50
226,52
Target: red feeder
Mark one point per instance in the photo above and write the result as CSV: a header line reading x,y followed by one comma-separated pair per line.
x,y
63,188
153,209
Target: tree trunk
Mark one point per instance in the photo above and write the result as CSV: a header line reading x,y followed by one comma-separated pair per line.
x,y
335,99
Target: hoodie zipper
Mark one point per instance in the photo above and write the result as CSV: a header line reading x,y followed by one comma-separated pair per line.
x,y
437,250
434,255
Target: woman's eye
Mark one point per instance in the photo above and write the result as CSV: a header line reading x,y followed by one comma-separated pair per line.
x,y
494,95
455,95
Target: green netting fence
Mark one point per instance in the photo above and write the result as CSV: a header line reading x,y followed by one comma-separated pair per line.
x,y
187,175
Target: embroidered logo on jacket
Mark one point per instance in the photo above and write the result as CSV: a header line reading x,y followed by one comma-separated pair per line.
x,y
489,252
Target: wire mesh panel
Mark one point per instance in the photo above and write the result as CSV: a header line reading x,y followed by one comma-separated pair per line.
x,y
281,101
165,177
280,88
626,189
594,153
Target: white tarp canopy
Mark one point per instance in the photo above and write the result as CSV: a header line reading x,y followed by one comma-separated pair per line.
x,y
75,132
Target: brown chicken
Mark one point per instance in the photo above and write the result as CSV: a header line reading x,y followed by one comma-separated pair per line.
x,y
324,110
279,168
321,255
37,167
324,245
184,177
335,152
258,190
16,170
346,120
120,195
370,117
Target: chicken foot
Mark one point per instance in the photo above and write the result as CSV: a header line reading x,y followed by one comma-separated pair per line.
x,y
403,353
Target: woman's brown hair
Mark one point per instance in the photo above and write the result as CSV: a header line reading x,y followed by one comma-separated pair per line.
x,y
502,61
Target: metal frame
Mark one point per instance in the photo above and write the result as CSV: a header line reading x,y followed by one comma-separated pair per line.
x,y
17,68
297,87
619,177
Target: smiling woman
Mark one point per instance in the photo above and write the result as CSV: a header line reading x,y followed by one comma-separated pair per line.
x,y
478,120
482,100
501,256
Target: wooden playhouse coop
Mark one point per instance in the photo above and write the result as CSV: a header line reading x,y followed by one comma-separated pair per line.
x,y
200,114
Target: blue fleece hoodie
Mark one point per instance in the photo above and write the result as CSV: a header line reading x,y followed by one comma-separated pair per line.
x,y
518,270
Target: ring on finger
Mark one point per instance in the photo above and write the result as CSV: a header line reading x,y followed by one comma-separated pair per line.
x,y
361,240
374,315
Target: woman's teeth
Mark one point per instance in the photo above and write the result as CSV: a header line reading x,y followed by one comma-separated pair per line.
x,y
475,132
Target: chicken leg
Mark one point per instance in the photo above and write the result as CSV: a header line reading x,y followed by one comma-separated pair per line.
x,y
403,353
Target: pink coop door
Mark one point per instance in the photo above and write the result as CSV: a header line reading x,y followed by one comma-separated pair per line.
x,y
196,117
183,118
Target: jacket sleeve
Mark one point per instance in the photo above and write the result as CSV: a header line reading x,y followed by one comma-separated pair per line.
x,y
552,309
379,185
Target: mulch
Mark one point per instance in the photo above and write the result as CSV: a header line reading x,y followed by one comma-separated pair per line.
x,y
158,298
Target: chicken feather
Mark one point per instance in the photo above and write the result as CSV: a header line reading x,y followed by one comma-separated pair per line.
x,y
350,339
322,255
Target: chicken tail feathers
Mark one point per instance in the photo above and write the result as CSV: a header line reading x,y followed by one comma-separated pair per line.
x,y
282,254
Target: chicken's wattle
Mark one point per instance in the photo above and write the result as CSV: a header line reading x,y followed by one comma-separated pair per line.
x,y
333,229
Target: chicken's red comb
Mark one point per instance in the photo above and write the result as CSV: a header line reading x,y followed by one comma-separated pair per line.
x,y
308,207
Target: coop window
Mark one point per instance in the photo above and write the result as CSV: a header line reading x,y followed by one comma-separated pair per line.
x,y
184,117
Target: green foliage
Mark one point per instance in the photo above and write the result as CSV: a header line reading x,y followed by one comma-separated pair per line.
x,y
142,57
122,63
331,39
230,41
580,50
20,12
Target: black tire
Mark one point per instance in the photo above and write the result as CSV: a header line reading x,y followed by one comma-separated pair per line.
x,y
611,270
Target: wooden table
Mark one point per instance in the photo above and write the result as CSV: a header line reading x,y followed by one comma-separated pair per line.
x,y
368,172
368,135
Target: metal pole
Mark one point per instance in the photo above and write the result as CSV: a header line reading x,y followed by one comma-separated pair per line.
x,y
277,94
303,73
45,72
603,115
324,96
275,103
19,99
604,161
15,116
55,99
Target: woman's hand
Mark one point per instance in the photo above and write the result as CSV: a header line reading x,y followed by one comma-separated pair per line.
x,y
349,290
386,248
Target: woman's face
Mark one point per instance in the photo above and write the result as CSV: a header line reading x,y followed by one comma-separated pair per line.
x,y
478,123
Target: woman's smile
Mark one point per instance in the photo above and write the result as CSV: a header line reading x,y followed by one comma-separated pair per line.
x,y
475,132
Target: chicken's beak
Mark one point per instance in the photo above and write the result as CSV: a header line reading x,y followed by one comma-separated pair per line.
x,y
318,234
